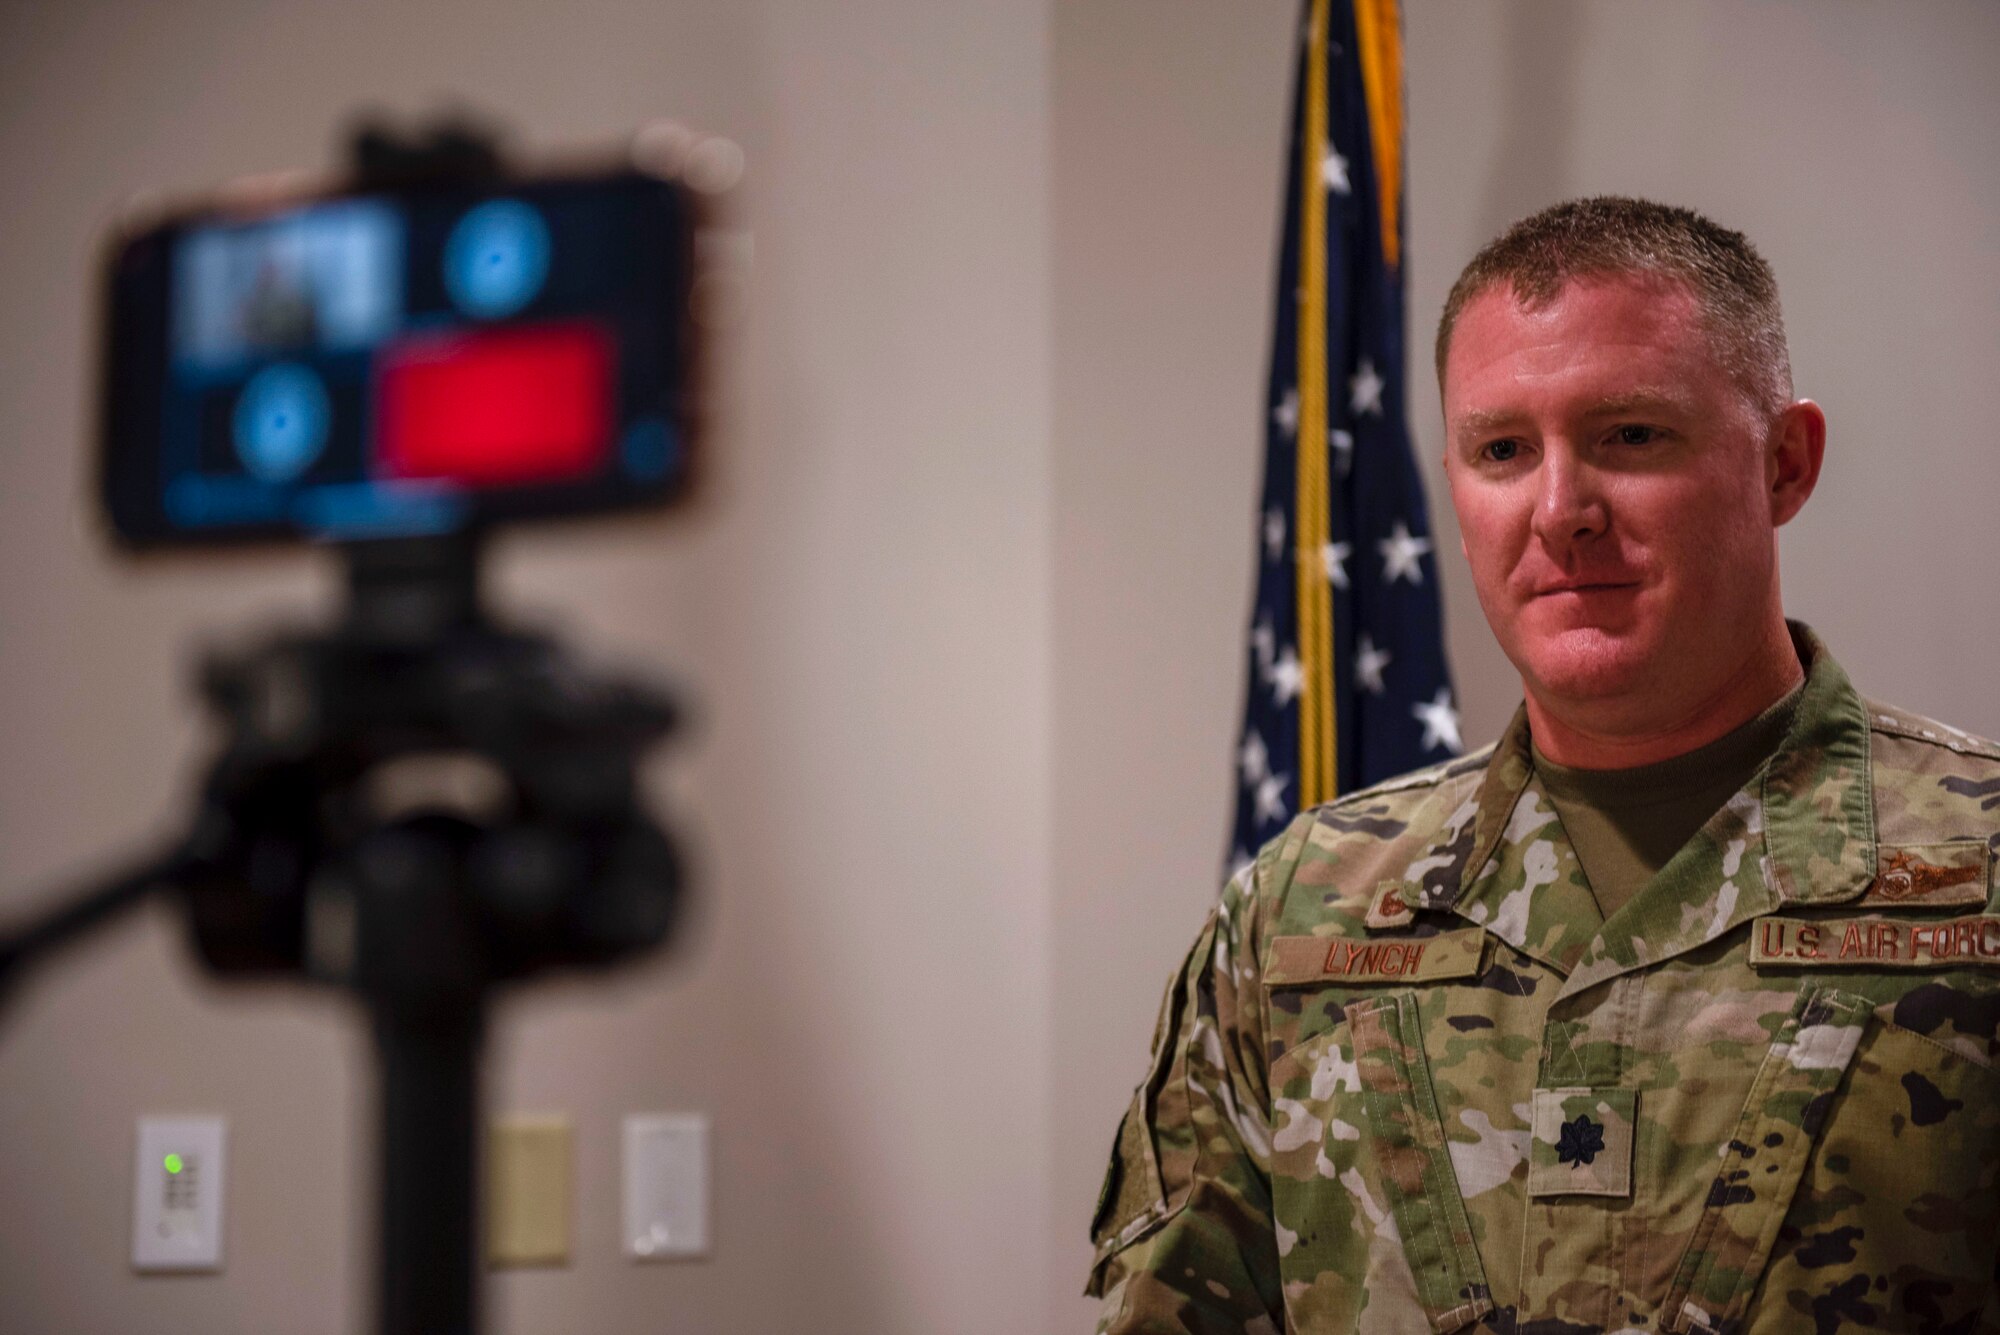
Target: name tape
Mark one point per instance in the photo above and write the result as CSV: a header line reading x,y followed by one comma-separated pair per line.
x,y
1875,943
1320,959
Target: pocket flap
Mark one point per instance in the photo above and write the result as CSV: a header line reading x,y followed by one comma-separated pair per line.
x,y
1928,875
1788,1104
1407,1131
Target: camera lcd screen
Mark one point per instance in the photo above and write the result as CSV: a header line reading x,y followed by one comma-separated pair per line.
x,y
398,364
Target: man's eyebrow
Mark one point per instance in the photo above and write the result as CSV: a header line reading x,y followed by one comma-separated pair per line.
x,y
1636,403
1641,403
1479,423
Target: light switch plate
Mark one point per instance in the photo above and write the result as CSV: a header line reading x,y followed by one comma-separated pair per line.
x,y
666,1186
177,1194
530,1174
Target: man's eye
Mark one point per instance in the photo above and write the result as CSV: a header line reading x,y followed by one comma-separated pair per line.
x,y
1637,435
1500,451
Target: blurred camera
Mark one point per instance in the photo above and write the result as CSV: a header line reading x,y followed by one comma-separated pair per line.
x,y
398,358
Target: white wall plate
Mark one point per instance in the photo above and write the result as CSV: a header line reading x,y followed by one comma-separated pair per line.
x,y
666,1186
177,1194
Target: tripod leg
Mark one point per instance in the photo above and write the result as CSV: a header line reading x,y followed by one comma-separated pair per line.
x,y
113,896
430,1101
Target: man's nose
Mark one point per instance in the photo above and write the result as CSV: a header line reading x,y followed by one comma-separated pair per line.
x,y
1570,508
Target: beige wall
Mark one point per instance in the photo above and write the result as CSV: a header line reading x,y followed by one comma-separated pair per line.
x,y
962,610
860,610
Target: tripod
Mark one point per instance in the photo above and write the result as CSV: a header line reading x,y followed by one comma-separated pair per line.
x,y
418,805
299,863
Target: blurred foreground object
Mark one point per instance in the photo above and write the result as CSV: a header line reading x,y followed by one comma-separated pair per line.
x,y
418,804
430,345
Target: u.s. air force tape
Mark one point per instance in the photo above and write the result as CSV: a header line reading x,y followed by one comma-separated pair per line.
x,y
1874,943
1325,959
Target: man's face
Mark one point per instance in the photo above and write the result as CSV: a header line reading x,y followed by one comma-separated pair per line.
x,y
1612,492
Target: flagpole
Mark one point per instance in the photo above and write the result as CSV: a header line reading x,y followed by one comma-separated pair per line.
x,y
1319,773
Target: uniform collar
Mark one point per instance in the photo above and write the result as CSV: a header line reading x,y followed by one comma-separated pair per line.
x,y
1800,831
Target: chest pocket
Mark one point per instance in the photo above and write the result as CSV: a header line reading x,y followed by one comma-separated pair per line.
x,y
1359,1152
1884,1179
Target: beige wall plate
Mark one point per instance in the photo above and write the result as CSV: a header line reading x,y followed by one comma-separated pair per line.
x,y
530,1190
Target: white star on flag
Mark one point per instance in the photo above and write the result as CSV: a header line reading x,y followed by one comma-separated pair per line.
x,y
1256,761
1343,451
1400,554
1333,171
1287,677
1368,664
1264,640
1333,556
1440,722
1271,798
1286,414
1365,389
1274,533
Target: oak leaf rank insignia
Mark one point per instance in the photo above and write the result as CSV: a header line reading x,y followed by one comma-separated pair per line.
x,y
1580,1142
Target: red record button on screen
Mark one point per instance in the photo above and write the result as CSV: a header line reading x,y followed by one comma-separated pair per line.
x,y
489,408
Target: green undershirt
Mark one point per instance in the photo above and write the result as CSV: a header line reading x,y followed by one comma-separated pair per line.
x,y
1626,823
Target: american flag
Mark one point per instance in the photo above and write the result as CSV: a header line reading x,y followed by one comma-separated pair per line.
x,y
1347,681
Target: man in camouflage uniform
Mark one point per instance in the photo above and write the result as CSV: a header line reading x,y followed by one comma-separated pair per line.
x,y
1518,1044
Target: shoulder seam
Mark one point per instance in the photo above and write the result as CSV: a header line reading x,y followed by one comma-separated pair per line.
x,y
1951,739
1430,777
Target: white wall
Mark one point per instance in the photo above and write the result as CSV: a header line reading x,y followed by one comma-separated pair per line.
x,y
963,609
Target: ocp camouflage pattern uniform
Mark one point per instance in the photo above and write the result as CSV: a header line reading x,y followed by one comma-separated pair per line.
x,y
1408,1081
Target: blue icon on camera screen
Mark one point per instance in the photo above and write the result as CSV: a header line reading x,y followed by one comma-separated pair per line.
x,y
281,422
497,258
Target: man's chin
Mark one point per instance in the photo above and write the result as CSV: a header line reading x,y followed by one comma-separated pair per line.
x,y
1587,663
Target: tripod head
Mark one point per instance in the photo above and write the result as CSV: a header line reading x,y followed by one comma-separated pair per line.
x,y
418,741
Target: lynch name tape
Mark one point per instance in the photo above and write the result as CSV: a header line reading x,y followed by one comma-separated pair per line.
x,y
1322,959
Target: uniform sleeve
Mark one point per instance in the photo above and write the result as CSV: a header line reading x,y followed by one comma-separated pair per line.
x,y
1183,1230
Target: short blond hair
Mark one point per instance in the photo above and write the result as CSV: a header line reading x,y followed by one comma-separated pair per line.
x,y
1609,235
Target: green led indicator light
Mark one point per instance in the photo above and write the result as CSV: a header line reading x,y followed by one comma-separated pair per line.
x,y
174,1163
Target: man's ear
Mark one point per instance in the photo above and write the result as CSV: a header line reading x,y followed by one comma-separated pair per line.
x,y
1792,457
